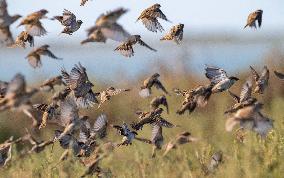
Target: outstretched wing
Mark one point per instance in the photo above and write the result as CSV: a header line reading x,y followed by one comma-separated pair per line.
x,y
215,74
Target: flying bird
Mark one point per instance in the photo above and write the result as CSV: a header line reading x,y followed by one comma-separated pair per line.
x,y
149,18
157,101
175,34
126,49
261,81
253,17
34,57
83,2
22,39
5,21
219,78
33,24
148,83
108,93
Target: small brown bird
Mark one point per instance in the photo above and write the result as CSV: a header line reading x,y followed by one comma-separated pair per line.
x,y
149,18
279,75
83,2
68,19
34,56
106,27
157,101
175,34
261,81
22,39
5,21
78,82
180,139
253,17
148,83
32,23
109,92
49,84
126,49
216,160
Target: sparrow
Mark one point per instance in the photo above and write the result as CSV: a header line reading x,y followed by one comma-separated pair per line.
x,y
83,2
180,139
253,17
33,24
21,40
175,34
106,27
128,135
261,81
148,83
108,93
78,82
279,75
219,78
5,21
157,101
149,18
245,98
69,21
49,84
126,49
34,56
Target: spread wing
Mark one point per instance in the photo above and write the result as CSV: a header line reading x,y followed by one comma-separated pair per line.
x,y
279,75
254,73
215,74
142,43
246,91
69,19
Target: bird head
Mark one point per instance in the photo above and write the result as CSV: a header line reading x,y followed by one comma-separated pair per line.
x,y
180,26
43,11
259,11
79,22
156,75
156,6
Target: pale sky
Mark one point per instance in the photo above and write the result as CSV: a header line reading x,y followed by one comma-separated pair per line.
x,y
195,14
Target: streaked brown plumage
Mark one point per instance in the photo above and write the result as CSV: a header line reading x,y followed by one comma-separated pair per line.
x,y
149,18
49,112
253,17
261,81
157,101
126,48
148,83
32,23
34,57
49,84
175,34
108,93
21,40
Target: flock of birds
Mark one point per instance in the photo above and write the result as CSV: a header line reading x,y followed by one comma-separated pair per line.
x,y
78,136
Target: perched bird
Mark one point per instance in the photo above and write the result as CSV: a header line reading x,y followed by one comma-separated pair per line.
x,y
5,21
219,78
68,19
279,75
245,98
128,135
148,83
157,101
22,39
78,82
253,17
49,84
149,18
261,81
106,27
175,34
109,92
32,23
34,56
126,49
180,139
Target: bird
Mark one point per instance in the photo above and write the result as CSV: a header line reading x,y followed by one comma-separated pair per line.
x,y
216,160
93,167
108,93
83,2
34,57
6,20
49,112
219,78
279,75
148,83
128,135
261,81
3,88
69,21
175,34
21,40
149,18
126,47
245,98
106,27
78,82
33,25
157,139
49,84
157,101
253,17
180,139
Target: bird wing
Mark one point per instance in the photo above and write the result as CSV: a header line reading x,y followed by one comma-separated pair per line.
x,y
50,54
69,19
254,73
68,111
35,29
215,74
142,43
6,36
125,49
3,9
157,132
159,85
279,75
264,75
17,85
113,16
152,24
246,91
259,18
157,13
115,32
34,60
100,124
234,96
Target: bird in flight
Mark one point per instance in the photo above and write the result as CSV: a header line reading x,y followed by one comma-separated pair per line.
x,y
253,17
